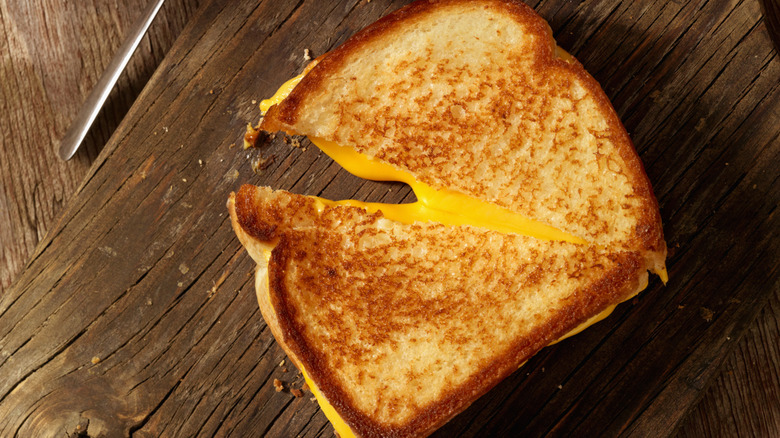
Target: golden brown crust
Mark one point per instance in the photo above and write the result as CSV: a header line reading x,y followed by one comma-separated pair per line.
x,y
306,240
645,234
249,217
329,257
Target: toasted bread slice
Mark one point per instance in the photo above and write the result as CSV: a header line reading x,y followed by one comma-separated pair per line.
x,y
472,96
402,326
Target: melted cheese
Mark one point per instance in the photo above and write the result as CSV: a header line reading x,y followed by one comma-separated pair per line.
x,y
280,94
592,320
335,419
663,274
285,89
342,429
443,206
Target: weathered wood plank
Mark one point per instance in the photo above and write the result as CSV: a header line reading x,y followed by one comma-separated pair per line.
x,y
50,62
143,277
750,375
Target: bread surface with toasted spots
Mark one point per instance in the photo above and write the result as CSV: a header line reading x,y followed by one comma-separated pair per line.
x,y
402,326
396,321
470,96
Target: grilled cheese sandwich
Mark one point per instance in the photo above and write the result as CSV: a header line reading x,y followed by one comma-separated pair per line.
x,y
340,426
342,429
443,206
532,221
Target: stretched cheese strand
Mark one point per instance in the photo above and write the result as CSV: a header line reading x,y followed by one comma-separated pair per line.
x,y
443,206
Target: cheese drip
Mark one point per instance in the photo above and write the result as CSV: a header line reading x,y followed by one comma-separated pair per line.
x,y
443,206
335,419
338,423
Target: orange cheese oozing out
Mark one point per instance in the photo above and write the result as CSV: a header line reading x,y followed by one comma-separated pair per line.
x,y
442,206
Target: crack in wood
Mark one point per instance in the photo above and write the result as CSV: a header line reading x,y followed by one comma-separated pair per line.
x,y
698,54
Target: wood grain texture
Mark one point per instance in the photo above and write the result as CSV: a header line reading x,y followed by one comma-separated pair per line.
x,y
136,312
743,400
52,54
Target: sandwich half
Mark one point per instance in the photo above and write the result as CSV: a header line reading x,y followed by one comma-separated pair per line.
x,y
533,219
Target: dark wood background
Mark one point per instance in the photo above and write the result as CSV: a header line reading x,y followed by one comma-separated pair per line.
x,y
127,306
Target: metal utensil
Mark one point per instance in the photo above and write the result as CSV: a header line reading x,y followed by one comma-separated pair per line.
x,y
97,97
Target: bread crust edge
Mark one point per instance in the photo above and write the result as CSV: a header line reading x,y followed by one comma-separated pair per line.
x,y
648,233
617,285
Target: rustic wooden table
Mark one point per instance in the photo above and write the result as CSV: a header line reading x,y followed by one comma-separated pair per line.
x,y
126,304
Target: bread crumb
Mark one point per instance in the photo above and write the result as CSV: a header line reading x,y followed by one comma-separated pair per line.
x,y
95,360
305,386
560,386
284,370
306,55
232,145
281,363
250,137
313,399
706,314
200,163
184,268
296,392
254,101
260,163
278,385
211,91
293,141
217,284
